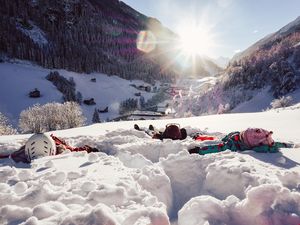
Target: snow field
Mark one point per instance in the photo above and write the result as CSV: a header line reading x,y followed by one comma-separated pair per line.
x,y
224,176
95,187
136,180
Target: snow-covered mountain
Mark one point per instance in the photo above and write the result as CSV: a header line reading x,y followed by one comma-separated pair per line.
x,y
136,180
290,28
268,70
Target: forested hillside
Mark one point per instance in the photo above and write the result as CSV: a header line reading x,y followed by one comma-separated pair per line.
x,y
84,36
275,62
271,65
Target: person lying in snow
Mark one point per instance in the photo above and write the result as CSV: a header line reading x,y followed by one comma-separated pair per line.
x,y
40,145
172,131
256,139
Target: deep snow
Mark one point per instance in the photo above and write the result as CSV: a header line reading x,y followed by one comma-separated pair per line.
x,y
136,180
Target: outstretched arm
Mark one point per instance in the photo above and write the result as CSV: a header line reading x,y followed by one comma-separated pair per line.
x,y
272,149
224,146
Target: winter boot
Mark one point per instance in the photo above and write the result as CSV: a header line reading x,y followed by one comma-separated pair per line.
x,y
151,127
136,127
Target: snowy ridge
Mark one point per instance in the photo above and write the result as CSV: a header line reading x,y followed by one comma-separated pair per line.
x,y
266,39
286,28
136,180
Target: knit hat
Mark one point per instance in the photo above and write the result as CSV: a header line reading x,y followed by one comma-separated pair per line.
x,y
173,132
253,137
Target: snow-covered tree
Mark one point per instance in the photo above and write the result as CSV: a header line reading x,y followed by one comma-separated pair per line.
x,y
55,116
223,108
5,127
281,102
73,115
51,116
31,120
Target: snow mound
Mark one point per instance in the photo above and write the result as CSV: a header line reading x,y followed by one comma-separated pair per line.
x,y
82,188
265,204
222,176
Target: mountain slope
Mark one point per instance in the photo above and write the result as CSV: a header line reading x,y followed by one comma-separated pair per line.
x,y
80,35
88,36
19,79
290,28
271,64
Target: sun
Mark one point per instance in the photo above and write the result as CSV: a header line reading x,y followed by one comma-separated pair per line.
x,y
195,40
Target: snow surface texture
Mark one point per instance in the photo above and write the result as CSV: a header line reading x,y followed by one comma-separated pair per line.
x,y
107,90
136,180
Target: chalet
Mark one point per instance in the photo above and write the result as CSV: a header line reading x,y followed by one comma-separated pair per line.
x,y
104,110
90,101
144,88
35,93
148,88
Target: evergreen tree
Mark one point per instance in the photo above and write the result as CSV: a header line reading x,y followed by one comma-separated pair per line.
x,y
79,97
96,118
65,86
129,105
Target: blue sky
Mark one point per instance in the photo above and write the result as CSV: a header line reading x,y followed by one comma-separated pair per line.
x,y
233,24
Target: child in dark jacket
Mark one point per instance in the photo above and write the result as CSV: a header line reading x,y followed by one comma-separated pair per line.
x,y
172,131
256,139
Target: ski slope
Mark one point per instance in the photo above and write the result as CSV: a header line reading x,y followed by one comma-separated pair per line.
x,y
136,180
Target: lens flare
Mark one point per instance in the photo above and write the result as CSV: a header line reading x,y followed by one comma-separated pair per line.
x,y
146,41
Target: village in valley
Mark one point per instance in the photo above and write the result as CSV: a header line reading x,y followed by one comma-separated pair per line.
x,y
166,99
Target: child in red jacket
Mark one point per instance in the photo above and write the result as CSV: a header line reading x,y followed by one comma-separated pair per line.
x,y
39,145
